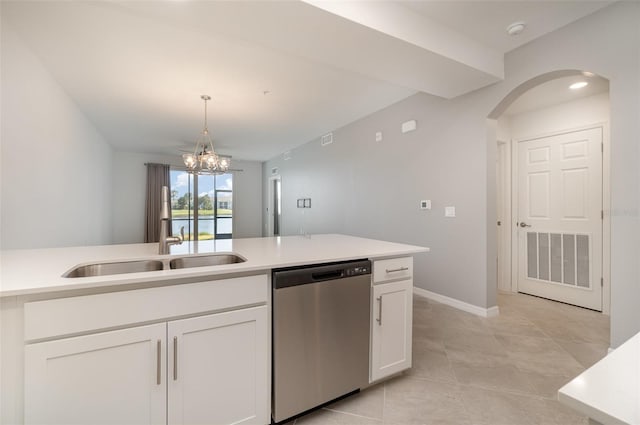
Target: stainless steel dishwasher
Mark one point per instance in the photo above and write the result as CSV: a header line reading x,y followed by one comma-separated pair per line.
x,y
321,318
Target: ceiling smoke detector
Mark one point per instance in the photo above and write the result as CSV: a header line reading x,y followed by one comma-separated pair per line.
x,y
516,28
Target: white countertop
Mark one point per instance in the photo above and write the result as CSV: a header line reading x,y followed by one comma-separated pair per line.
x,y
609,391
33,271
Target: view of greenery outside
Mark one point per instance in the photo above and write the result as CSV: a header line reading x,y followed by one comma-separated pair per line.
x,y
212,191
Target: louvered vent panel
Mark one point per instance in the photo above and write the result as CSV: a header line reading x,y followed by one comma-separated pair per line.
x,y
559,257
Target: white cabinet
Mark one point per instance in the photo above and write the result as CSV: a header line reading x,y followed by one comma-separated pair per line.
x,y
218,368
106,378
210,368
391,317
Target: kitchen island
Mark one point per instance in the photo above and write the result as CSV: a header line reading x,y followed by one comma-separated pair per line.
x,y
609,391
171,321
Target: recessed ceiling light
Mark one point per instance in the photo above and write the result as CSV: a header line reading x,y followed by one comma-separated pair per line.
x,y
578,85
516,28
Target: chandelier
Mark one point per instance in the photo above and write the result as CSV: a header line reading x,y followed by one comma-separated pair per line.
x,y
204,159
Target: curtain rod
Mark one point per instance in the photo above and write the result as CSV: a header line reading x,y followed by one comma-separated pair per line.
x,y
182,168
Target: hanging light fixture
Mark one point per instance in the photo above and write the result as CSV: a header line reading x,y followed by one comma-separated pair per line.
x,y
204,159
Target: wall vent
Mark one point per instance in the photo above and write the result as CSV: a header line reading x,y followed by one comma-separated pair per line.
x,y
287,155
327,139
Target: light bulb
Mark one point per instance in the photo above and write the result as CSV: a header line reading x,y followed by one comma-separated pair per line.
x,y
578,85
211,161
189,160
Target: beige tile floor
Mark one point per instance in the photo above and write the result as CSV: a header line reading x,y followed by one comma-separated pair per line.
x,y
470,370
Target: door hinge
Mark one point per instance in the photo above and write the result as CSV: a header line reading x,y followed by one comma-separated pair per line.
x,y
601,147
602,281
602,214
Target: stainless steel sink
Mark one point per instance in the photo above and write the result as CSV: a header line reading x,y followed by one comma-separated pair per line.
x,y
102,269
205,260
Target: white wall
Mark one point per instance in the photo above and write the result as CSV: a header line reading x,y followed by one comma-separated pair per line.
x,y
606,43
372,189
129,192
368,189
565,116
56,167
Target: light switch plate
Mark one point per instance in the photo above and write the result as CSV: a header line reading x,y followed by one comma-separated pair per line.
x,y
449,211
379,136
425,205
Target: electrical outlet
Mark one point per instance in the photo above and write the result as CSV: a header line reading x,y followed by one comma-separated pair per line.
x,y
425,205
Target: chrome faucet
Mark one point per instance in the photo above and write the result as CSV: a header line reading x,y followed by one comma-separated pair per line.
x,y
165,239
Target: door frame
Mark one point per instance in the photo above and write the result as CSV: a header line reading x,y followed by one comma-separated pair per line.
x,y
503,180
512,163
270,200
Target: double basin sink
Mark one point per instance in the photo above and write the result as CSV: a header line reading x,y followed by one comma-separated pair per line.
x,y
120,267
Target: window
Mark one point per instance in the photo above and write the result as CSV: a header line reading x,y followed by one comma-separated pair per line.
x,y
192,205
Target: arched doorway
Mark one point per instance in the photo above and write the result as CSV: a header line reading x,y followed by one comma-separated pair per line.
x,y
552,180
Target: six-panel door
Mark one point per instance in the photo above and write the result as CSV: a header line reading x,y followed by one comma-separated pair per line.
x,y
560,217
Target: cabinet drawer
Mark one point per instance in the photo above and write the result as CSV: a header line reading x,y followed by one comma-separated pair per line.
x,y
66,316
392,269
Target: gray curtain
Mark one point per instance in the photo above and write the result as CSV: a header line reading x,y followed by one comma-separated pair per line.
x,y
157,176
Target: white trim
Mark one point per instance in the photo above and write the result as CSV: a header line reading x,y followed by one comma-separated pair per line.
x,y
606,222
514,215
504,243
455,303
270,200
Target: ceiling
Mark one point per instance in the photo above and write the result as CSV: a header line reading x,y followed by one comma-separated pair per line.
x,y
280,73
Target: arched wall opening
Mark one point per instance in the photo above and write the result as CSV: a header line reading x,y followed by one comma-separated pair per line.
x,y
534,112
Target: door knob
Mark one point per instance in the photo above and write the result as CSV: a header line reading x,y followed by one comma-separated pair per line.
x,y
523,224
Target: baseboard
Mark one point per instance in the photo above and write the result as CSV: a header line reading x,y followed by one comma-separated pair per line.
x,y
460,305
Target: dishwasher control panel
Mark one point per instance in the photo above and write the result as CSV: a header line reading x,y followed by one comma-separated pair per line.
x,y
293,276
358,270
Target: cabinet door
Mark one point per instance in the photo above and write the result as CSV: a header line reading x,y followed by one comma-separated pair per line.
x,y
107,378
219,368
391,321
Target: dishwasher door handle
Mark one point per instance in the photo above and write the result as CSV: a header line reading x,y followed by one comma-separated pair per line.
x,y
334,274
379,319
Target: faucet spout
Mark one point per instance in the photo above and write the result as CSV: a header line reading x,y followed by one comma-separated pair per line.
x,y
165,240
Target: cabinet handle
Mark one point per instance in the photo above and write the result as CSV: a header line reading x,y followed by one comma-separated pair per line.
x,y
175,358
379,319
401,269
158,361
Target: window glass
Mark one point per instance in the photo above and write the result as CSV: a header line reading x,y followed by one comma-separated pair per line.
x,y
182,203
203,205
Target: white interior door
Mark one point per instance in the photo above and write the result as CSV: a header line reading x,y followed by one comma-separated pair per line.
x,y
559,217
